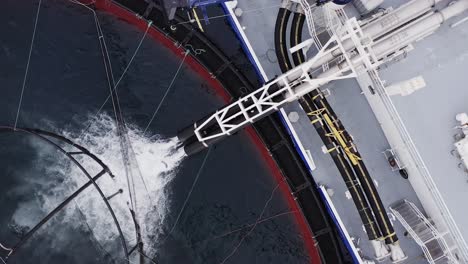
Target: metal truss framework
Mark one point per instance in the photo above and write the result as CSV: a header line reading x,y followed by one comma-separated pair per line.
x,y
291,85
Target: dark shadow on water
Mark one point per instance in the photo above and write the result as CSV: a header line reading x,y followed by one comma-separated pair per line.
x,y
67,85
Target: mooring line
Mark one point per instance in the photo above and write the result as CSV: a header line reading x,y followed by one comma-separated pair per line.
x,y
245,226
127,67
167,90
253,227
127,151
189,194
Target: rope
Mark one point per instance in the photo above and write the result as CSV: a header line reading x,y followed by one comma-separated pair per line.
x,y
122,132
27,64
114,90
132,152
189,194
83,217
134,54
253,227
101,42
126,147
115,103
247,226
167,91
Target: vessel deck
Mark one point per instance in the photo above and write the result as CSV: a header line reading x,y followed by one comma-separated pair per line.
x,y
429,114
358,118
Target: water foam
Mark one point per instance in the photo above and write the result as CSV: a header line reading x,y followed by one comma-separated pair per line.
x,y
158,161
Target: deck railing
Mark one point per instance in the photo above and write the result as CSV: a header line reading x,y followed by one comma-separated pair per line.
x,y
413,220
420,165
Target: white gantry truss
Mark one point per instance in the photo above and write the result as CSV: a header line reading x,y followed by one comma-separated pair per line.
x,y
291,85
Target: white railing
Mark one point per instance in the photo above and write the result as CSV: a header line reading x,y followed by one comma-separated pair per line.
x,y
434,231
413,235
329,21
311,23
421,219
419,163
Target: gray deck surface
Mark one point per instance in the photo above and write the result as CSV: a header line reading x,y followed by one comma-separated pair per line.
x,y
429,114
259,22
357,116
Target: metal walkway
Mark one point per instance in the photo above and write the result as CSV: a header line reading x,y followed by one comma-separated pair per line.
x,y
423,232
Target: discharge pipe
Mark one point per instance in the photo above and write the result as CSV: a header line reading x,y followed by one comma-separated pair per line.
x,y
383,25
396,40
409,33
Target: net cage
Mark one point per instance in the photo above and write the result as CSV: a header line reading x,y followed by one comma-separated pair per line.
x,y
131,248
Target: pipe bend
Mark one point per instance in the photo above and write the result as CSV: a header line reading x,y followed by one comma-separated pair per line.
x,y
454,9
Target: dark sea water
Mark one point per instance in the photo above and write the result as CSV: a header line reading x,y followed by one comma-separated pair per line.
x,y
65,88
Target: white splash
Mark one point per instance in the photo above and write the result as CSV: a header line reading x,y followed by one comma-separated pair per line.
x,y
158,161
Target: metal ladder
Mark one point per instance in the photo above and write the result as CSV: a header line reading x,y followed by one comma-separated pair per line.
x,y
310,23
423,232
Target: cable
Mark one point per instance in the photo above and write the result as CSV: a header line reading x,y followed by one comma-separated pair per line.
x,y
121,76
83,217
248,225
253,227
189,194
127,151
27,64
101,40
167,91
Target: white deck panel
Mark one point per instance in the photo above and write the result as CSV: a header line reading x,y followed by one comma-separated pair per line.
x,y
429,114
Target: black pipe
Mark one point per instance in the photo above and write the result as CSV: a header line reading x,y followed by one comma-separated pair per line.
x,y
360,169
349,177
187,136
364,177
375,202
193,148
280,39
296,37
347,174
298,57
186,133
